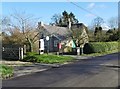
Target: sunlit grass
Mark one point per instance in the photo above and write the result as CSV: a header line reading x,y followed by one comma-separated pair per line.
x,y
6,71
46,58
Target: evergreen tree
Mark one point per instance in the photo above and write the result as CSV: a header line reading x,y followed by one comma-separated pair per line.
x,y
63,19
98,34
96,31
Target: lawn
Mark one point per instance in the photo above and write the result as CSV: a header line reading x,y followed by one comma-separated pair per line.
x,y
6,71
46,58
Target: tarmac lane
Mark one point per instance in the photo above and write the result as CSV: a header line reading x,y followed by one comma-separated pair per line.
x,y
93,72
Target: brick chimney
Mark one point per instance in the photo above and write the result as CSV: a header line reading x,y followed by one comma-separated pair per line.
x,y
40,24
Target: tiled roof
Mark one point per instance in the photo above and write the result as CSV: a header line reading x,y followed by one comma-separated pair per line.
x,y
61,32
57,30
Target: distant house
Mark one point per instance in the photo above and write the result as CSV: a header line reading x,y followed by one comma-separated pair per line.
x,y
58,35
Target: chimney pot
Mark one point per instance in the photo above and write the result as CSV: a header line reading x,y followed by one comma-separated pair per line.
x,y
69,23
40,24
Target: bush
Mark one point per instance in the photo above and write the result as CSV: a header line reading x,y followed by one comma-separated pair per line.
x,y
99,47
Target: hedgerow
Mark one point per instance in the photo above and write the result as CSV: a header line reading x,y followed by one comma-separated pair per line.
x,y
99,47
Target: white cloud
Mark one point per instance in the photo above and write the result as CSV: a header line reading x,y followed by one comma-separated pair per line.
x,y
91,6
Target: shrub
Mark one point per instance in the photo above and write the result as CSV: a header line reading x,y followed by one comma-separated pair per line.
x,y
99,47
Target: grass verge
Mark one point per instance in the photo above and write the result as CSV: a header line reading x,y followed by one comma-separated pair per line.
x,y
100,54
6,71
46,58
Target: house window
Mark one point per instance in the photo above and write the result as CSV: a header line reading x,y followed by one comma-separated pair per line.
x,y
55,43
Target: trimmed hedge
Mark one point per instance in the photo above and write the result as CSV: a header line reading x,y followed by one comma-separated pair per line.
x,y
99,47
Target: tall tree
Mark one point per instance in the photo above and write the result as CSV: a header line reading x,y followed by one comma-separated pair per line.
x,y
98,21
21,27
80,36
56,19
98,33
60,20
72,18
65,17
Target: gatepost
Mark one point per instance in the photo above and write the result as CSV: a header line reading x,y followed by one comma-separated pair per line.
x,y
78,50
41,46
21,55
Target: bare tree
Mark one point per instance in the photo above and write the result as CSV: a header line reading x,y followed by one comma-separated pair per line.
x,y
97,22
80,36
113,22
56,19
22,27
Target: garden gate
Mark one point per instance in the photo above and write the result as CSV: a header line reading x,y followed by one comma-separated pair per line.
x,y
12,52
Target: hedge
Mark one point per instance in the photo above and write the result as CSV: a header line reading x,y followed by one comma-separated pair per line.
x,y
99,47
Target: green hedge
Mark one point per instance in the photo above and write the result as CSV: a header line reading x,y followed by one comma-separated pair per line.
x,y
99,47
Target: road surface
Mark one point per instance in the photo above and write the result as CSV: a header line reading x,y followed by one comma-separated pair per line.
x,y
93,72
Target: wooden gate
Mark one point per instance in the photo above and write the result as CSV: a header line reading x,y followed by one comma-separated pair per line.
x,y
12,52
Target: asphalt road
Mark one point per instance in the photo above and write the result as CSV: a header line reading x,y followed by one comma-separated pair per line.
x,y
94,72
